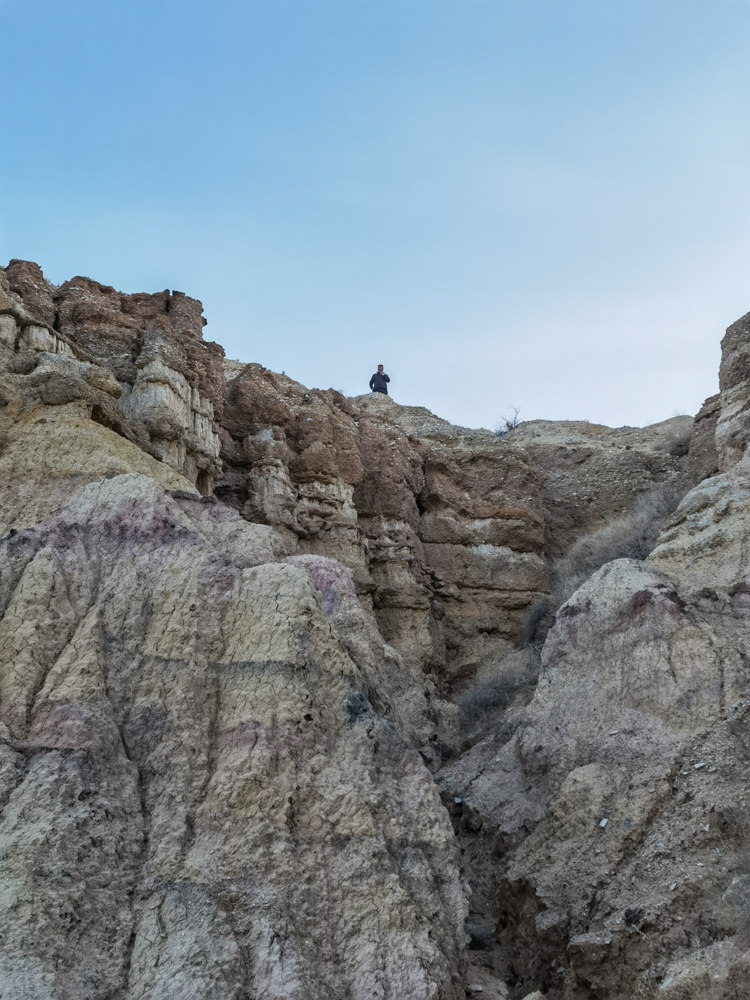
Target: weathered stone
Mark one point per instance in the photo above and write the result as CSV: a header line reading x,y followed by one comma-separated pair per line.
x,y
440,525
595,474
733,426
8,331
214,731
703,458
202,784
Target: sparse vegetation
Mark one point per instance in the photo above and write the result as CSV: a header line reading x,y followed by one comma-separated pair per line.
x,y
631,536
698,987
509,422
511,683
734,832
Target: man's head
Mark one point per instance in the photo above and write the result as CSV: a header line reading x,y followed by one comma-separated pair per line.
x,y
380,368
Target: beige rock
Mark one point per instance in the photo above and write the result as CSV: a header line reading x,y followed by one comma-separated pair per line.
x,y
642,677
51,452
178,419
440,525
214,732
8,330
704,544
595,474
204,780
38,338
703,459
151,346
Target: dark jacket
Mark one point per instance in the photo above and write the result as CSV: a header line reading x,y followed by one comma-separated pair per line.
x,y
379,383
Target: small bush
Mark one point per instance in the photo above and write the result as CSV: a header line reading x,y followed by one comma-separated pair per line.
x,y
514,679
631,536
512,682
538,620
700,986
509,422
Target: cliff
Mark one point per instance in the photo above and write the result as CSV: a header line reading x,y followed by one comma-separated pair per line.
x,y
242,625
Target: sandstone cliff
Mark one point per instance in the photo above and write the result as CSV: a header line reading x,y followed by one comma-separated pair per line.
x,y
240,619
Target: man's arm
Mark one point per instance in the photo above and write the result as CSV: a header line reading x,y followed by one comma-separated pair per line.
x,y
387,378
371,381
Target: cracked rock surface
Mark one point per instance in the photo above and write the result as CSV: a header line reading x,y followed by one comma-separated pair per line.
x,y
198,798
235,618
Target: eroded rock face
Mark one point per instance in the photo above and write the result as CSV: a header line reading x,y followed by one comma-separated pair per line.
x,y
612,811
170,383
440,525
594,474
733,427
219,713
198,797
213,765
615,805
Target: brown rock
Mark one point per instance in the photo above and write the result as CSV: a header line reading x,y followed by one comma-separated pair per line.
x,y
595,474
703,459
214,733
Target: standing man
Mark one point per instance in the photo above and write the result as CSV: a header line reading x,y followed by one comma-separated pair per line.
x,y
379,381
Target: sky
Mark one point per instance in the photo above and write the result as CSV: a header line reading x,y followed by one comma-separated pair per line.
x,y
509,203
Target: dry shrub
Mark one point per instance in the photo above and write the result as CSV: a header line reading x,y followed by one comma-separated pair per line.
x,y
734,830
702,986
631,536
699,987
512,682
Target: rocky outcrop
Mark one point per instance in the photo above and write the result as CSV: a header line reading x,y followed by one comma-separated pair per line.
x,y
612,811
171,385
703,458
595,474
235,616
211,783
733,427
440,525
194,775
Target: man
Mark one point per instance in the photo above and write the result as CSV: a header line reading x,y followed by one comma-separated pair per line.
x,y
379,381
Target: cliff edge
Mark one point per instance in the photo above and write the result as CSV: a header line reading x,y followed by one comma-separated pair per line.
x,y
304,696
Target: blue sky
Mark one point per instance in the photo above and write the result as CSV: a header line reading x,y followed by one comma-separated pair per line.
x,y
526,203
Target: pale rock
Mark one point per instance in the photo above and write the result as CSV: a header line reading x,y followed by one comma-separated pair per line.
x,y
38,338
704,543
733,426
47,456
177,693
595,474
8,331
214,734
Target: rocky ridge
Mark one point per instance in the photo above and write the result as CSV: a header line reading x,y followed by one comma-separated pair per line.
x,y
237,614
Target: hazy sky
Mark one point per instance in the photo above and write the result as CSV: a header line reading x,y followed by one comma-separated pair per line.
x,y
508,202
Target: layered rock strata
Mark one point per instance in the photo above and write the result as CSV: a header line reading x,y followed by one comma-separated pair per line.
x,y
440,525
217,710
605,825
171,385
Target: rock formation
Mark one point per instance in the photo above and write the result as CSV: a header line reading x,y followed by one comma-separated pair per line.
x,y
240,619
